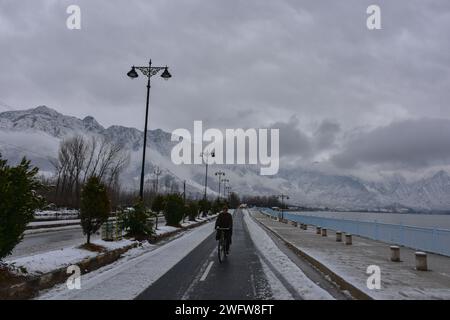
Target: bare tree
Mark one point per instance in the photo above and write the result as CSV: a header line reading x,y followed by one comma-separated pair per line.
x,y
79,159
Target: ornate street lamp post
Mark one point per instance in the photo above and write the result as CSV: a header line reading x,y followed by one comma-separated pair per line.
x,y
220,174
157,173
148,72
225,181
228,192
206,155
282,196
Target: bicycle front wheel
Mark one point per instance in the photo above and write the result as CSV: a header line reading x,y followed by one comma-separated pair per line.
x,y
221,251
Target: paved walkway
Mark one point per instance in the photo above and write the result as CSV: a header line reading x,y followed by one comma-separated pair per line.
x,y
399,280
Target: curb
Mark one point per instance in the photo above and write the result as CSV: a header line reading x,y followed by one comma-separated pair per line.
x,y
341,282
50,225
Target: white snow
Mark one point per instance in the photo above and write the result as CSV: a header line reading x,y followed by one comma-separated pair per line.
x,y
165,229
127,278
279,292
46,223
188,223
289,270
48,261
42,230
60,213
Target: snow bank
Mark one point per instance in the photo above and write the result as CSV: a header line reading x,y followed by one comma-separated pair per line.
x,y
48,261
165,229
128,277
46,223
289,270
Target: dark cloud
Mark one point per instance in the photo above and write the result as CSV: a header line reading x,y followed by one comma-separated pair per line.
x,y
295,142
237,63
326,134
292,140
406,144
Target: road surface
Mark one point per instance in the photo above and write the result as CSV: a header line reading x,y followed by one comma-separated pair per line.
x,y
48,241
35,243
241,277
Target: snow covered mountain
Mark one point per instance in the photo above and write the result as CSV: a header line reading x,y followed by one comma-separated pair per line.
x,y
37,133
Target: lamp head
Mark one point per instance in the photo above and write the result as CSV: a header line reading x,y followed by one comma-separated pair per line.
x,y
132,73
166,75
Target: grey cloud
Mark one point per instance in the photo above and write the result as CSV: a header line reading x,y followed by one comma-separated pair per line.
x,y
315,59
326,134
292,140
296,142
406,144
235,64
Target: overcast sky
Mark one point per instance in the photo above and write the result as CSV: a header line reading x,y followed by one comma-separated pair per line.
x,y
342,94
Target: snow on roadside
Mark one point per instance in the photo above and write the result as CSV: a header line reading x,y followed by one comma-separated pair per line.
x,y
48,261
45,223
165,229
279,292
306,288
43,230
127,278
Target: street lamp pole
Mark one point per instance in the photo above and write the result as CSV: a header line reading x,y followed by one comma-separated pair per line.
x,y
206,155
282,196
148,72
225,181
228,192
157,173
220,174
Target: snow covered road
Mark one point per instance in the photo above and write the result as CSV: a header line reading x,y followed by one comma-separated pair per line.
x,y
255,269
187,268
128,277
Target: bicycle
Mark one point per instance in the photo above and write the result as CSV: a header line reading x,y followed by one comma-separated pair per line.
x,y
221,249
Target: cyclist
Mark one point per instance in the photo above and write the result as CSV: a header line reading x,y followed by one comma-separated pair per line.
x,y
225,220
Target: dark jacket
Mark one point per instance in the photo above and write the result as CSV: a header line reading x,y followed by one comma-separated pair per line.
x,y
224,220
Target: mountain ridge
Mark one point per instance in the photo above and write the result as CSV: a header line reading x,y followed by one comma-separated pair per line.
x,y
46,127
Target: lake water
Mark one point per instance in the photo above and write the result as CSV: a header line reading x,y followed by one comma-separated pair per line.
x,y
439,221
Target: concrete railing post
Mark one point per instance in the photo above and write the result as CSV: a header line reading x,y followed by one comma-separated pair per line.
x,y
324,232
348,239
395,253
421,261
338,236
318,230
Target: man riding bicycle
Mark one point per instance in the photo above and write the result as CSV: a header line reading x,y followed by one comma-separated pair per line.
x,y
225,221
